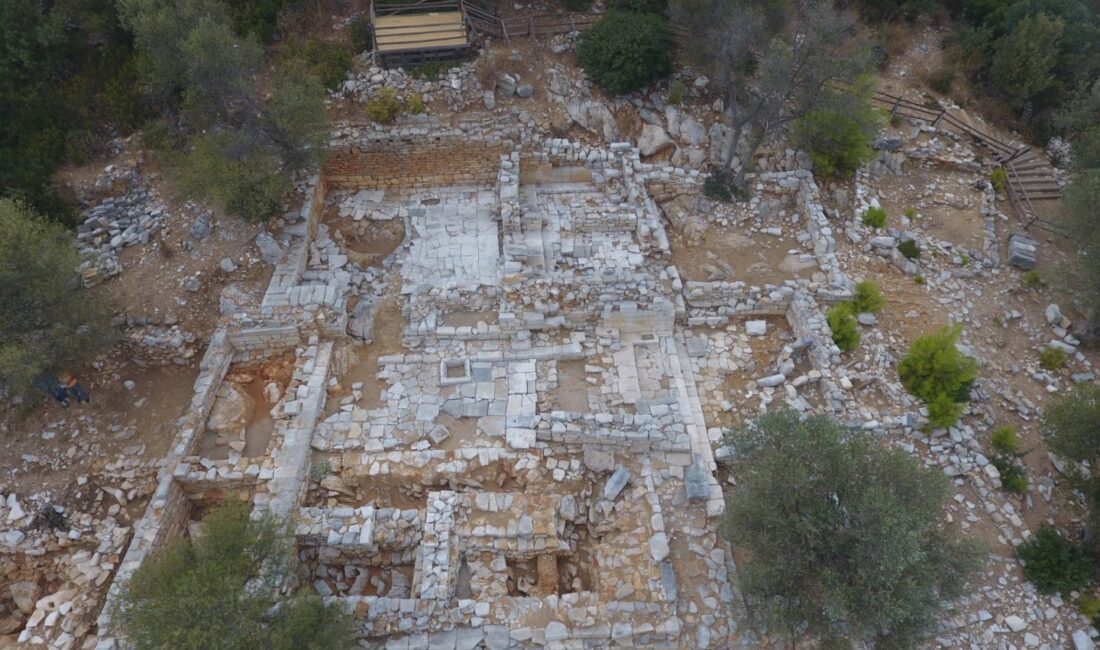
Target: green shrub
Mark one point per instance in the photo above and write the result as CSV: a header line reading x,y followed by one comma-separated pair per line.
x,y
1013,475
1052,358
935,372
675,93
432,70
639,6
867,298
844,326
359,35
161,136
919,280
320,470
909,248
624,52
384,107
246,183
999,179
577,5
50,323
874,217
941,80
257,18
328,60
220,590
415,104
910,213
1005,440
1088,606
1054,563
838,142
1031,279
718,186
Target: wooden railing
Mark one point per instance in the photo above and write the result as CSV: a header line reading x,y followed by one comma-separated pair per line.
x,y
1006,155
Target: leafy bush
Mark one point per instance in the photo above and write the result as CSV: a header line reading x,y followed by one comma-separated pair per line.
x,y
1005,440
67,85
415,105
999,179
217,590
718,186
675,93
874,217
941,80
359,35
256,18
432,70
1071,423
639,6
919,280
1071,428
328,60
625,51
384,107
1024,59
160,136
838,142
909,248
320,470
577,5
938,374
1088,606
1053,563
881,529
1013,475
844,326
248,184
910,213
49,322
1052,358
867,298
1031,279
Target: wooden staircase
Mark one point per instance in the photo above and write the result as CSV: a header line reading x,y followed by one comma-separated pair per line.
x,y
1030,177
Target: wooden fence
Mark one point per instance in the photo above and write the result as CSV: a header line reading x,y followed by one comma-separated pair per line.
x,y
1028,176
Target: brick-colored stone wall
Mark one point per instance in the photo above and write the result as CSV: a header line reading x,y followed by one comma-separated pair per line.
x,y
392,165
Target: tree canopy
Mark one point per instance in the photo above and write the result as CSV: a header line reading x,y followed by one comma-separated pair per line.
x,y
777,64
218,592
845,537
247,144
48,321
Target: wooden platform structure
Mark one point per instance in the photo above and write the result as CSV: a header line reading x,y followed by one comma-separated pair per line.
x,y
407,33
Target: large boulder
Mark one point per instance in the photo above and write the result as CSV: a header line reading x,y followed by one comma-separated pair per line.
x,y
232,410
653,139
24,594
232,300
270,250
593,116
692,132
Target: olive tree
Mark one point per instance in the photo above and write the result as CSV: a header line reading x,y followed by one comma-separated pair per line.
x,y
251,136
776,63
48,321
218,591
845,536
1071,428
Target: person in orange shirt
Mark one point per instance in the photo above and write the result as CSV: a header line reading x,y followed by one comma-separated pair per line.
x,y
73,388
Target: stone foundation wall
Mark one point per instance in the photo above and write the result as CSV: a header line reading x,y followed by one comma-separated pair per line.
x,y
404,164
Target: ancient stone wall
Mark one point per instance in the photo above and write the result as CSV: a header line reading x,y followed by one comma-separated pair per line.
x,y
404,164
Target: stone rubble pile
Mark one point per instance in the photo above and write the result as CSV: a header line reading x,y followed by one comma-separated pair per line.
x,y
112,225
